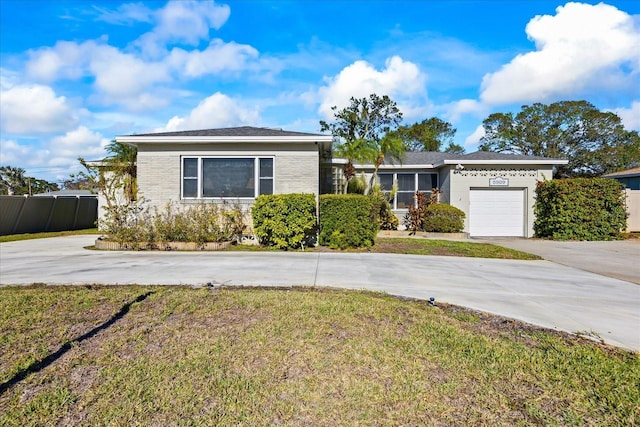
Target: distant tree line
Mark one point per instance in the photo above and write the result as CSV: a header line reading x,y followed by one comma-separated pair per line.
x,y
14,181
595,142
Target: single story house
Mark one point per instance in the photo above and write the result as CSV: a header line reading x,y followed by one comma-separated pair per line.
x,y
630,178
496,191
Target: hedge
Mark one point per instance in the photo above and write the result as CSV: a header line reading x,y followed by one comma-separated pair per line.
x,y
441,218
285,221
580,209
347,221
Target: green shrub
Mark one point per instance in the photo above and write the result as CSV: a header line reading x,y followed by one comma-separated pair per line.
x,y
580,209
285,221
382,211
440,218
357,185
347,220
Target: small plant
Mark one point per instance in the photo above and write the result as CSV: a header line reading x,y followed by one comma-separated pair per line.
x,y
382,212
413,220
441,218
357,185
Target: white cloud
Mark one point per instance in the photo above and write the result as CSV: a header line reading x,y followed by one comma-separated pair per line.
x,y
581,45
8,78
630,116
217,110
125,14
119,74
69,60
217,57
400,80
128,79
33,109
186,22
462,107
13,153
474,139
80,142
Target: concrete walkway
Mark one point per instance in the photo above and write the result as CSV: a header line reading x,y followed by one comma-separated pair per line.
x,y
539,292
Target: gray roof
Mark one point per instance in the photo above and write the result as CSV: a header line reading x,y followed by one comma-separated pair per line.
x,y
423,158
432,157
67,193
629,173
490,155
237,131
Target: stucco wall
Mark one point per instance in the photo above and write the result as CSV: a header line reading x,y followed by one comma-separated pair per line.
x,y
296,167
633,209
460,182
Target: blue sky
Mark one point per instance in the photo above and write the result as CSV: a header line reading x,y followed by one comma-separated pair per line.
x,y
74,74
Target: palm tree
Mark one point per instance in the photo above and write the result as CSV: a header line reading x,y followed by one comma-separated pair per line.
x,y
121,162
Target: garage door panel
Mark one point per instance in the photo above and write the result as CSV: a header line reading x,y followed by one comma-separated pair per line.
x,y
496,213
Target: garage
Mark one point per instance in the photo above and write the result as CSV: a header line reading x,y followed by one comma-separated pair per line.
x,y
497,212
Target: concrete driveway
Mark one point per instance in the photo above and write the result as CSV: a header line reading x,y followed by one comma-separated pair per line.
x,y
539,292
619,258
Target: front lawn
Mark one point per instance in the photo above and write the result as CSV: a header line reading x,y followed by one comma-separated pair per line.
x,y
261,357
45,234
418,246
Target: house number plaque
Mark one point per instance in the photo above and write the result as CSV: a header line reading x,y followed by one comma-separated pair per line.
x,y
498,181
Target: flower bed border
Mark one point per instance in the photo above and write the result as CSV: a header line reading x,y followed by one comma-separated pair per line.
x,y
166,246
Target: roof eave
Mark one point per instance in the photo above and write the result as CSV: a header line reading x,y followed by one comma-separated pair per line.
x,y
135,140
503,162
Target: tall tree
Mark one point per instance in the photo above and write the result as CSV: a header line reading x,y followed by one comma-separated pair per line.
x,y
14,181
594,142
429,135
363,130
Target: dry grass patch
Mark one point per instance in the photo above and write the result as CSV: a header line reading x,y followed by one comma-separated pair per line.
x,y
215,356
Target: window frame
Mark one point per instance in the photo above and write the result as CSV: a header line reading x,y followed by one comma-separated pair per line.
x,y
416,181
257,176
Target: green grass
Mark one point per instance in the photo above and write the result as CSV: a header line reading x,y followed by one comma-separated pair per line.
x,y
447,248
29,236
260,357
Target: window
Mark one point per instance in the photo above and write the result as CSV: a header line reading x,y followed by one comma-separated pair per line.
x,y
226,177
408,183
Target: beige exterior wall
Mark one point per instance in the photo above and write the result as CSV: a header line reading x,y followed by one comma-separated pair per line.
x,y
296,167
633,209
459,183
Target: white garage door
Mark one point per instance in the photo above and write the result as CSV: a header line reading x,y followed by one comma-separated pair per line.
x,y
496,213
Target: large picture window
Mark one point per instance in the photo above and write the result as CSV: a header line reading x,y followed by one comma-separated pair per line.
x,y
226,177
408,184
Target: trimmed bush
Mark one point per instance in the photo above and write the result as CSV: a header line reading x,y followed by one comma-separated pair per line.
x,y
441,218
580,209
285,221
347,221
